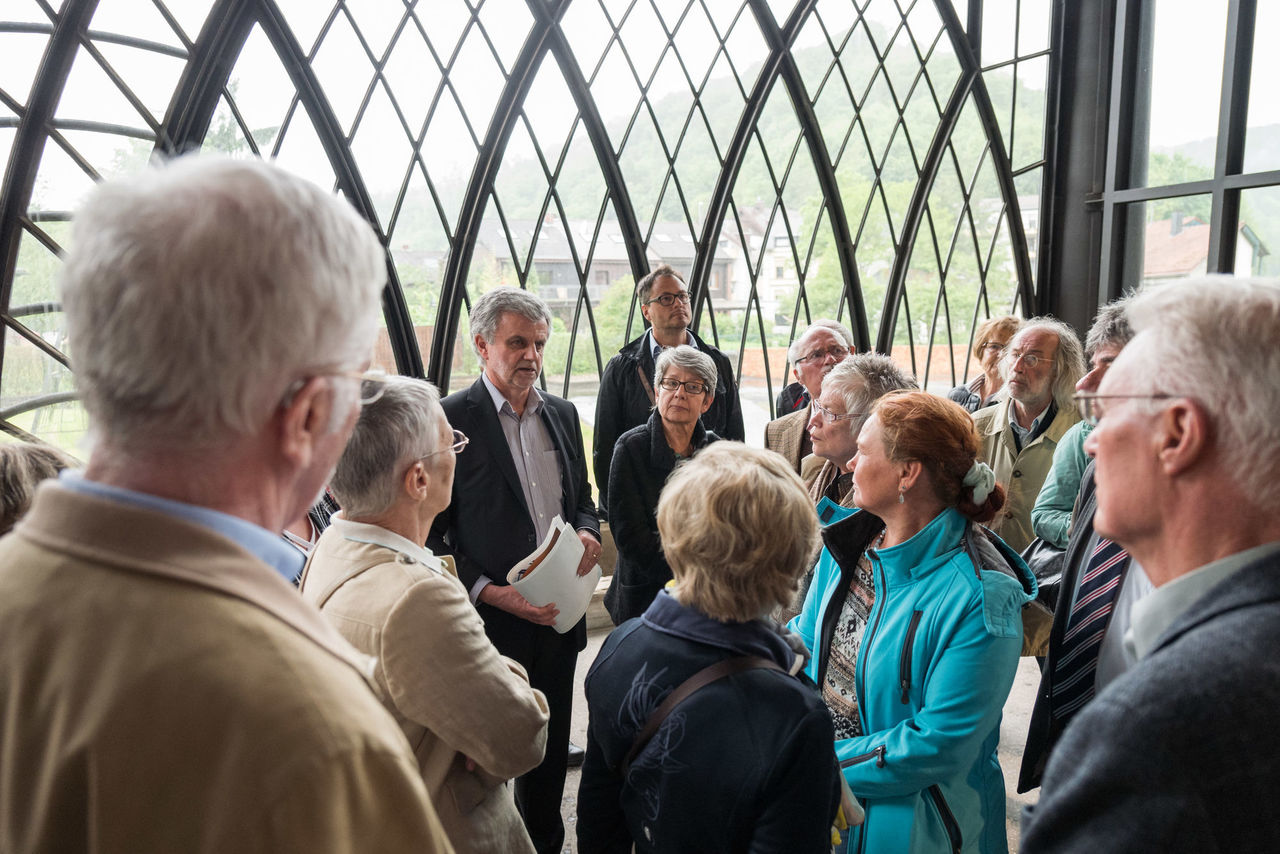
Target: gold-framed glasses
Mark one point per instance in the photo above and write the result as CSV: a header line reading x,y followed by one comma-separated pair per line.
x,y
460,441
1028,359
835,416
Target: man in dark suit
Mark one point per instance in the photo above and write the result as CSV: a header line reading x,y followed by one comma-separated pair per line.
x,y
525,466
1182,752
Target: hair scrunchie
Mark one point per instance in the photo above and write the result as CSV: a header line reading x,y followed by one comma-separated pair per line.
x,y
982,479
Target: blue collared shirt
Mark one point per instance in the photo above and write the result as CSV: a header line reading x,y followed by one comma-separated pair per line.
x,y
656,349
1022,437
261,543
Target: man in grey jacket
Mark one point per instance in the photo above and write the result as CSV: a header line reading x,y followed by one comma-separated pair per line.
x,y
1183,751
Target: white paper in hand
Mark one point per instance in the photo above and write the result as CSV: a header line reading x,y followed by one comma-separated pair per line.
x,y
550,574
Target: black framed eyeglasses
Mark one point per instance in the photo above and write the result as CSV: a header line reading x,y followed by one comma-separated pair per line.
x,y
690,386
834,350
1093,405
835,416
460,441
668,300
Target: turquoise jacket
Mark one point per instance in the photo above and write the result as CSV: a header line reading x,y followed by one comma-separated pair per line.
x,y
934,669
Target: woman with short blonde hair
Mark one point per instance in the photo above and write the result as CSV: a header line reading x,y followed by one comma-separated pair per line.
x,y
744,762
989,342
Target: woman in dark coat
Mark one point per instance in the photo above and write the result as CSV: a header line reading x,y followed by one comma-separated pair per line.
x,y
740,764
685,382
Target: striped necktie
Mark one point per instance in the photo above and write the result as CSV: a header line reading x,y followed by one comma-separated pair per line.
x,y
1073,677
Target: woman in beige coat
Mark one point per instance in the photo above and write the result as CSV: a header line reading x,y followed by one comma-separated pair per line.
x,y
469,713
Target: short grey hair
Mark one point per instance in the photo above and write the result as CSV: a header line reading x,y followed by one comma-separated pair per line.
x,y
645,286
396,429
1068,366
834,326
1217,339
197,292
687,358
864,378
22,466
1110,328
487,311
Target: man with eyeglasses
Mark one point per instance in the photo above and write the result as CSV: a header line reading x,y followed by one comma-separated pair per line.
x,y
165,687
1019,436
525,466
469,713
822,346
626,395
1182,751
1072,674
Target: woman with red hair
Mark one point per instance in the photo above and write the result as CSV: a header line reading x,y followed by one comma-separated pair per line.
x,y
914,617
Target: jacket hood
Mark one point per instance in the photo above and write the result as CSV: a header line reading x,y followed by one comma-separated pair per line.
x,y
756,637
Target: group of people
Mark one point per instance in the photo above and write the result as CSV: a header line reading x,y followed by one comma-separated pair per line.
x,y
814,642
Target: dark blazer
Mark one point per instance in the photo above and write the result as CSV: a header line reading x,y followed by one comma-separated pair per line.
x,y
1181,753
487,527
626,398
1045,730
642,461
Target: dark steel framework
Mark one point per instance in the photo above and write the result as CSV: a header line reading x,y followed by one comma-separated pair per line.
x,y
1105,99
949,80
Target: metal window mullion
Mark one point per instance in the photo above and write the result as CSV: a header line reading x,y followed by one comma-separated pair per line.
x,y
400,331
1224,219
24,155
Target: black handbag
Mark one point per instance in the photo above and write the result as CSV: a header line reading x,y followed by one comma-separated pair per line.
x,y
1045,560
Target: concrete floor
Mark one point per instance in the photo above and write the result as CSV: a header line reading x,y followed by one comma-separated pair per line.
x,y
1013,733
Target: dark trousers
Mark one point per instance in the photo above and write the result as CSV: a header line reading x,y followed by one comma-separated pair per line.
x,y
550,661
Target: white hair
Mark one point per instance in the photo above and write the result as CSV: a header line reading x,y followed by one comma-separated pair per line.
x,y
1068,365
198,291
686,358
1217,339
835,327
487,311
862,379
396,429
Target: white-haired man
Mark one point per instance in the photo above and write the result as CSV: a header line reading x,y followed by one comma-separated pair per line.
x,y
165,689
469,714
1019,436
1182,752
822,346
525,466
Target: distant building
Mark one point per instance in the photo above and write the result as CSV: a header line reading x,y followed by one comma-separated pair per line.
x,y
1178,247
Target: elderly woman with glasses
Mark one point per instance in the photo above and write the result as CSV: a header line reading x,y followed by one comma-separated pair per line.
x,y
685,381
744,762
914,618
993,335
469,714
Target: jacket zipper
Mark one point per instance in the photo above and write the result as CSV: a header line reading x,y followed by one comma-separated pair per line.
x,y
877,754
904,665
859,670
948,818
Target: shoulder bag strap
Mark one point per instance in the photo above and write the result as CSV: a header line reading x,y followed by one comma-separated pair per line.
x,y
701,679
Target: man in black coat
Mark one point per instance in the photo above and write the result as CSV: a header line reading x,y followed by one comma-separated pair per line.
x,y
524,466
1182,752
626,389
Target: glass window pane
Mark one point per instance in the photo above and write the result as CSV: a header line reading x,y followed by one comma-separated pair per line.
x,y
1258,243
1165,240
1174,109
1262,138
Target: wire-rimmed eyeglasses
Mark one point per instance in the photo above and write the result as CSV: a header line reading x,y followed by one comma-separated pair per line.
x,y
1092,405
836,350
835,416
1028,359
373,383
460,441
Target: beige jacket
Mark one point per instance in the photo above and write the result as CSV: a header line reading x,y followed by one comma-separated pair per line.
x,y
163,690
451,692
1022,472
787,435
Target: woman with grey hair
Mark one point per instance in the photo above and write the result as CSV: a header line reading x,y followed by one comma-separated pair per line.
x,y
685,381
